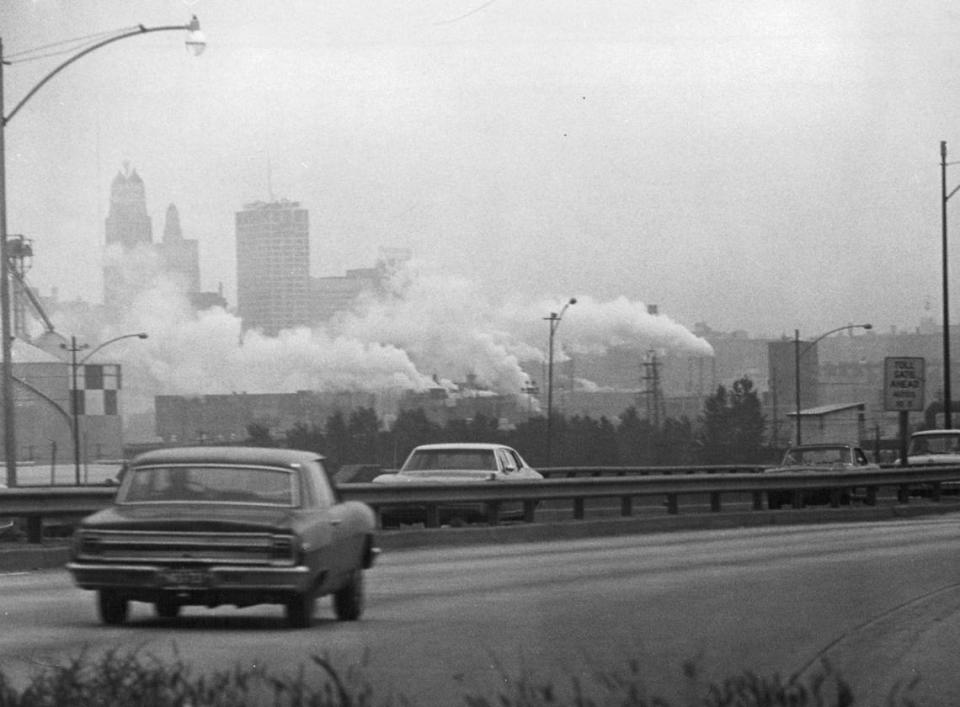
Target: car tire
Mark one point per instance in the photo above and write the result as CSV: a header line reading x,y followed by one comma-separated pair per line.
x,y
112,606
167,607
348,600
300,608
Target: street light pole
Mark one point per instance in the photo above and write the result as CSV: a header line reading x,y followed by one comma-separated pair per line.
x,y
797,353
554,320
196,43
74,349
944,198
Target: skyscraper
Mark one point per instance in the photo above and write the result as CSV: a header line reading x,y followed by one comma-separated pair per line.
x,y
127,222
128,229
273,265
180,256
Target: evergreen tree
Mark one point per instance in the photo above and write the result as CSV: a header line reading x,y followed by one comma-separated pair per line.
x,y
732,425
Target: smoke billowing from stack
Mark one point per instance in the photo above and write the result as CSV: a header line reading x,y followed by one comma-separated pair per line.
x,y
429,327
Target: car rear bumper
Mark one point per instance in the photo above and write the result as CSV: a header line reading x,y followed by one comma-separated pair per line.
x,y
213,578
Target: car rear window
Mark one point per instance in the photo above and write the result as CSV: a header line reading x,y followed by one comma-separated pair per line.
x,y
425,459
212,484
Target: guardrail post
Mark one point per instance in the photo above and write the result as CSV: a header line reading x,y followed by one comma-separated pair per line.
x,y
673,506
715,502
529,511
758,500
903,493
493,512
433,516
626,506
578,505
35,529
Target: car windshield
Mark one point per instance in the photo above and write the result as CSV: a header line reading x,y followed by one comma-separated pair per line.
x,y
213,484
935,444
821,455
429,459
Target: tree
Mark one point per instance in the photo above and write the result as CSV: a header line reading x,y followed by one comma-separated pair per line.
x,y
732,425
363,429
258,435
300,436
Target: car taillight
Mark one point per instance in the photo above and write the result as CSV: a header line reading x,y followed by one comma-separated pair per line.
x,y
88,544
283,548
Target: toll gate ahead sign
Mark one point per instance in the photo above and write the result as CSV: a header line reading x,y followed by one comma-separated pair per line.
x,y
903,383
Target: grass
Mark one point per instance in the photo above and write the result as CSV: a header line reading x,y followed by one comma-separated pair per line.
x,y
117,678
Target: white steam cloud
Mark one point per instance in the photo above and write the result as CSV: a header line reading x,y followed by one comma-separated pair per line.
x,y
429,328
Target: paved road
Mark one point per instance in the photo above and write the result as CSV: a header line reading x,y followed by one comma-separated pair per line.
x,y
880,600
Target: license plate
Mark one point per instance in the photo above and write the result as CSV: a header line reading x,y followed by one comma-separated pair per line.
x,y
183,578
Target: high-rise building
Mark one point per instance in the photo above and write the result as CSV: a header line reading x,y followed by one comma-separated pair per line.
x,y
127,226
128,222
273,265
180,256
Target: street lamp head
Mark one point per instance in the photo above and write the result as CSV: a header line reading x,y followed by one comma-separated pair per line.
x,y
196,41
868,326
142,335
573,300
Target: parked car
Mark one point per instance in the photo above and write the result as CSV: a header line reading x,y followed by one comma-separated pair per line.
x,y
829,458
209,526
457,463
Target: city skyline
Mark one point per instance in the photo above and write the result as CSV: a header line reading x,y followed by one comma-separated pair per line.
x,y
754,167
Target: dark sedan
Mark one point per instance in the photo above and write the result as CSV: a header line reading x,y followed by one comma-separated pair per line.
x,y
238,526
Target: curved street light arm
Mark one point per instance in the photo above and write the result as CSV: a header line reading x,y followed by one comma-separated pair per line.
x,y
810,344
140,335
192,27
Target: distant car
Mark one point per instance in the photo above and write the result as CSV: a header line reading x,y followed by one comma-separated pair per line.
x,y
238,526
930,447
457,463
828,458
934,447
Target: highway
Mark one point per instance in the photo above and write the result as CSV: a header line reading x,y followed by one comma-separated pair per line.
x,y
879,600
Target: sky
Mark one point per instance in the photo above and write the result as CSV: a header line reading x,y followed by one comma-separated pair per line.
x,y
751,165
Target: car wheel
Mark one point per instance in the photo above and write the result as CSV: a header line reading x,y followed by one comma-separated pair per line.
x,y
348,600
113,607
167,607
299,610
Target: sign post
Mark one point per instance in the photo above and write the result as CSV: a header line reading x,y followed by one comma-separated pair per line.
x,y
904,385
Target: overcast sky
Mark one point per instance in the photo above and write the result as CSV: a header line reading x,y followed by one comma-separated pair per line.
x,y
753,165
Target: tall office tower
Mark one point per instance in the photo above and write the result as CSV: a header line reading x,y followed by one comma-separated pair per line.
x,y
127,226
128,223
273,266
180,256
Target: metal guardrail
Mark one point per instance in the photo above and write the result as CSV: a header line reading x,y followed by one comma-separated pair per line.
x,y
620,483
626,488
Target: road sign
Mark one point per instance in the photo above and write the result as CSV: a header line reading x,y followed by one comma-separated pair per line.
x,y
903,383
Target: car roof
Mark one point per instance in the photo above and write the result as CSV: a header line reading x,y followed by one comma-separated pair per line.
x,y
462,445
226,455
928,433
824,445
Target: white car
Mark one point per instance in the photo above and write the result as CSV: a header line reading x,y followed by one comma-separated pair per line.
x,y
457,463
934,447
